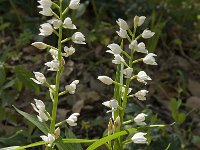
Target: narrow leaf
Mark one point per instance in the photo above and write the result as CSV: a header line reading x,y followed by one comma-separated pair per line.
x,y
31,145
110,137
41,125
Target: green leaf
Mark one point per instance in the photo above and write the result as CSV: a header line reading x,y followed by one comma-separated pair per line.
x,y
31,145
10,148
77,141
181,118
41,125
24,76
110,137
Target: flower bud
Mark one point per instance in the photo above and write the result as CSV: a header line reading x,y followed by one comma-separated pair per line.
x,y
115,49
147,34
105,80
149,59
78,38
122,24
72,119
141,95
49,139
39,45
117,123
40,78
118,59
68,24
111,103
133,45
140,118
141,48
128,72
46,29
139,138
68,51
142,77
122,33
74,4
57,133
110,127
136,20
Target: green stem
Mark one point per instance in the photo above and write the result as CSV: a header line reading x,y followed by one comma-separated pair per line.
x,y
138,60
65,11
65,40
58,76
62,93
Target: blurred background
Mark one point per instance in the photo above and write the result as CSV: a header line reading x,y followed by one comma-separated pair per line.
x,y
174,91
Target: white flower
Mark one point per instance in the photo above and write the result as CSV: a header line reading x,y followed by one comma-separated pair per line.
x,y
74,4
122,24
46,29
46,11
39,45
42,116
139,138
55,22
128,72
133,45
53,65
45,3
118,59
141,95
141,48
78,38
139,20
72,119
40,78
39,107
113,104
106,80
68,24
46,7
142,77
54,53
49,139
122,33
147,34
139,119
115,49
129,90
72,87
68,51
57,133
149,59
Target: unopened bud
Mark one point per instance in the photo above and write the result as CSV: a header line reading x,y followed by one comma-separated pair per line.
x,y
39,45
110,127
117,123
57,132
136,21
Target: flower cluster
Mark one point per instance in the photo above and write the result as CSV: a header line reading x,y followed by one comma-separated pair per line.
x,y
55,26
125,59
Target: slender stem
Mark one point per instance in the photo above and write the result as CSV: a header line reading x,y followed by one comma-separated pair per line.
x,y
129,39
132,95
65,11
55,32
139,36
127,122
55,15
49,86
65,40
55,5
58,76
127,55
49,46
138,60
60,123
62,93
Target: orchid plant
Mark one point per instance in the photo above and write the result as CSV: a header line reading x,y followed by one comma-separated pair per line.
x,y
125,73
